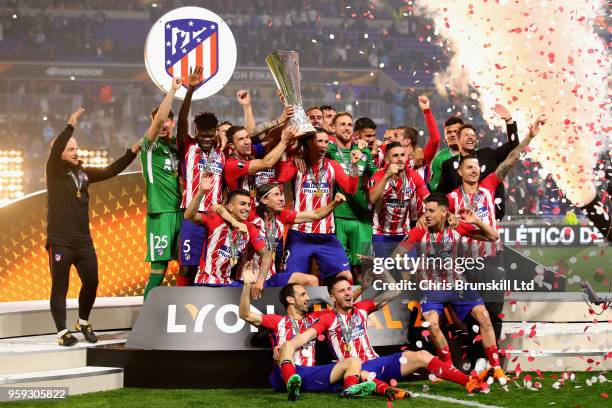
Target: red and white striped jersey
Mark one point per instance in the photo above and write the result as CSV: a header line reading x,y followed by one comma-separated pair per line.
x,y
483,205
392,212
285,217
357,319
237,175
437,248
194,162
283,329
315,189
224,243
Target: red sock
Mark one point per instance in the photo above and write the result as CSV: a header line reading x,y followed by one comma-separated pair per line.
x,y
350,380
381,387
182,281
287,370
446,372
444,354
492,356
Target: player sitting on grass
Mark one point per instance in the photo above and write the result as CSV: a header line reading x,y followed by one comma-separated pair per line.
x,y
298,371
346,329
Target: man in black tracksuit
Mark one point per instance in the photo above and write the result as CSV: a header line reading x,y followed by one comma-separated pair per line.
x,y
488,158
68,237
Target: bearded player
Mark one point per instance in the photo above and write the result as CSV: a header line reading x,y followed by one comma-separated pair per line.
x,y
299,371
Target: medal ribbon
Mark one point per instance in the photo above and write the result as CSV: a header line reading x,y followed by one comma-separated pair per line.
x,y
316,179
78,181
467,202
347,328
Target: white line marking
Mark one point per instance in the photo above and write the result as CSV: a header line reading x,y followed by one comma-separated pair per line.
x,y
453,400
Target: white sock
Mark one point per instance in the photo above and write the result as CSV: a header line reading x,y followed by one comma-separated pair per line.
x,y
60,334
82,322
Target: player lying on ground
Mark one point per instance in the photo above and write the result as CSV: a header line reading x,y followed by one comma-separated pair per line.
x,y
298,371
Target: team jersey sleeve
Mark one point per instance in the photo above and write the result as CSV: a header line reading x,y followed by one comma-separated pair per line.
x,y
286,171
255,238
287,216
491,182
235,169
326,319
368,305
430,149
348,183
270,321
375,179
451,201
414,236
421,187
211,220
464,229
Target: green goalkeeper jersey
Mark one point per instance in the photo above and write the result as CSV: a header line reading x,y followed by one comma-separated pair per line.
x,y
160,167
356,206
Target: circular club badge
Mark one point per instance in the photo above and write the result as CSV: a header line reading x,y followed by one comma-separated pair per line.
x,y
184,38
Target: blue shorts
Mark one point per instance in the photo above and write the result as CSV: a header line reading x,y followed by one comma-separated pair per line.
x,y
314,379
193,240
324,248
278,280
387,368
384,245
462,302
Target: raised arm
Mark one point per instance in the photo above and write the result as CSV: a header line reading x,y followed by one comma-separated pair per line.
x,y
163,111
266,262
506,165
431,147
244,310
96,174
511,131
59,144
244,99
275,154
182,126
191,212
319,213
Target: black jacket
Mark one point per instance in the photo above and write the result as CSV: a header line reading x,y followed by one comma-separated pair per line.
x,y
67,214
489,159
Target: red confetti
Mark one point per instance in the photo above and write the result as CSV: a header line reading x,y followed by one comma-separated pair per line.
x,y
604,395
499,66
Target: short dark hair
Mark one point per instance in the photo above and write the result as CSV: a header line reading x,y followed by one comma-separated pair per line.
x,y
411,134
332,283
339,114
466,126
287,290
453,120
327,107
312,108
170,114
462,159
206,121
237,192
225,122
311,135
437,198
364,123
231,131
392,145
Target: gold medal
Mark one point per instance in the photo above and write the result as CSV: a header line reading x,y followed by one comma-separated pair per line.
x,y
253,193
78,194
347,347
174,173
273,256
233,260
319,193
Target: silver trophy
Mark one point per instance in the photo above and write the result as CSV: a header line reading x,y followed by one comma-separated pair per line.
x,y
285,68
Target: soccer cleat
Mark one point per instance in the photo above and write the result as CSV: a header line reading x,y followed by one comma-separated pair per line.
x,y
359,390
393,394
500,376
293,387
87,331
67,340
476,384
